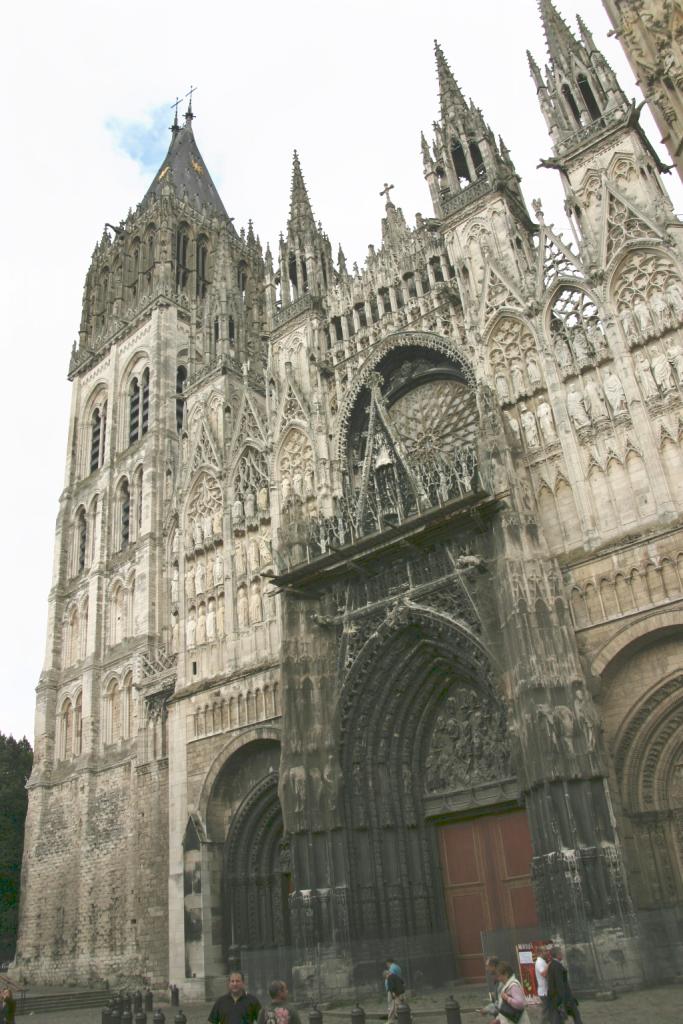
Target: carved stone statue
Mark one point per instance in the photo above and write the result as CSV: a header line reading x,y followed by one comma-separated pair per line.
x,y
201,625
262,499
614,392
646,324
175,580
255,603
237,511
211,621
220,616
207,525
197,535
530,429
502,389
174,635
285,488
250,505
544,414
580,346
240,563
661,311
512,427
675,357
594,402
217,571
517,377
190,629
629,326
644,376
199,578
662,372
562,353
576,408
189,583
217,523
674,294
254,548
298,483
266,552
309,485
532,370
242,607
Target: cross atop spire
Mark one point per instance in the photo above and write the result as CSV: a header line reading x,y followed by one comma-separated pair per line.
x,y
188,112
175,127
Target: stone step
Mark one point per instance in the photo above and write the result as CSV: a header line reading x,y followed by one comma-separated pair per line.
x,y
54,1001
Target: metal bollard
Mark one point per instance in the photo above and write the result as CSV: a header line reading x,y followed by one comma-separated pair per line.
x,y
180,1018
403,1013
158,1017
453,1011
358,1014
315,1016
149,1000
140,1017
137,1001
115,1015
106,1014
126,1016
175,996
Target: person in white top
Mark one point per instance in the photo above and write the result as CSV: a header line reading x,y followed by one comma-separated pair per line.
x,y
541,969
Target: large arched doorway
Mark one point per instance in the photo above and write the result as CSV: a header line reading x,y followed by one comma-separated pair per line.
x,y
438,846
244,808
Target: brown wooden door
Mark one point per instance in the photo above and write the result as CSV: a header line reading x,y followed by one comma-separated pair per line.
x,y
486,864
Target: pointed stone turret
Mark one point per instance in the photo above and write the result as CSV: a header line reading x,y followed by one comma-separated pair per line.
x,y
305,254
465,151
580,91
185,171
301,218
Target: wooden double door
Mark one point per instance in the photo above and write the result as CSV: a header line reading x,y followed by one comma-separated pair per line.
x,y
486,864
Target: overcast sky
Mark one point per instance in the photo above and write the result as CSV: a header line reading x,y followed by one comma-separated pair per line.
x,y
87,89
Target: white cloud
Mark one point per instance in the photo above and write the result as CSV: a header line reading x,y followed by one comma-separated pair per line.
x,y
351,85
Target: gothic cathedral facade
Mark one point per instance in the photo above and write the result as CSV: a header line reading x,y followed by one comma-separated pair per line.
x,y
366,631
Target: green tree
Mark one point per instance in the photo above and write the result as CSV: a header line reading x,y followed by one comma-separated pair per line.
x,y
16,759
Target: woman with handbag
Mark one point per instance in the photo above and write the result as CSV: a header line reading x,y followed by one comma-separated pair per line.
x,y
512,1001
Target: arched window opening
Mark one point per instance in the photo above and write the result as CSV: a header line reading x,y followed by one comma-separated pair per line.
x,y
304,276
231,330
338,329
134,269
242,280
362,315
125,514
95,440
134,411
293,277
411,285
150,255
93,527
103,433
216,331
400,301
180,382
82,540
374,309
202,267
324,270
425,282
437,269
477,160
115,714
78,725
385,300
460,163
588,97
182,271
67,726
571,103
104,287
138,501
127,709
145,402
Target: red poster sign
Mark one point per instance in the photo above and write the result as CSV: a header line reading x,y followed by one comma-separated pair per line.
x,y
526,956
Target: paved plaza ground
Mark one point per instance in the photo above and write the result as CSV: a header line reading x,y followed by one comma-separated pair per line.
x,y
648,1006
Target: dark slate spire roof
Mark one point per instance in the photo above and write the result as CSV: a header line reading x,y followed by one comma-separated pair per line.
x,y
185,170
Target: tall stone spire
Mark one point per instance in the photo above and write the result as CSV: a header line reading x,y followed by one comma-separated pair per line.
x,y
559,38
450,95
301,218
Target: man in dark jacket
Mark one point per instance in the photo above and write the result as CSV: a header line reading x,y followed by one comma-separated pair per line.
x,y
561,999
236,1006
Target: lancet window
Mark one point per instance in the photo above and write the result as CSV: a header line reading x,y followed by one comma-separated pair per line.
x,y
202,267
182,271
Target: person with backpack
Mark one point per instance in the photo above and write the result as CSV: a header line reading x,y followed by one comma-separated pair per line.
x,y
395,988
278,1012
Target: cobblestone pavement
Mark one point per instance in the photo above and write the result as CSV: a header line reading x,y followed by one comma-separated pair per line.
x,y
647,1006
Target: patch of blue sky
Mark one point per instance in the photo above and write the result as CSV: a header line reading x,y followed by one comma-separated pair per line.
x,y
145,141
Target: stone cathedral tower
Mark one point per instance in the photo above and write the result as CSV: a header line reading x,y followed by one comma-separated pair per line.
x,y
367,619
